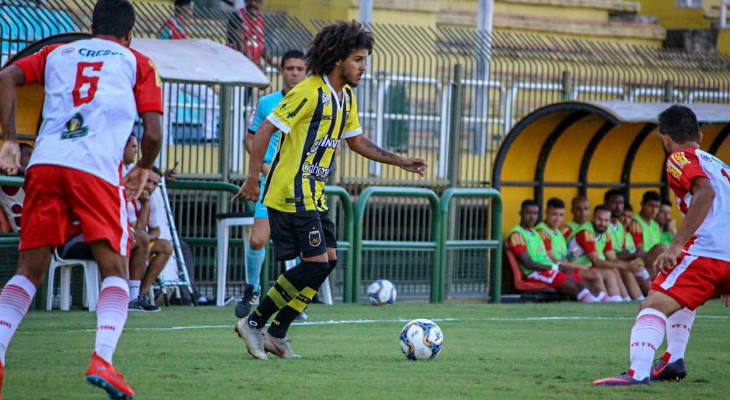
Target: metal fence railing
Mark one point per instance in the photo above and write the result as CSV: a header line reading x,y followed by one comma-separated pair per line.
x,y
449,95
406,100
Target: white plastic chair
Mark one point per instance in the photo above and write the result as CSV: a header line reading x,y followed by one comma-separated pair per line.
x,y
91,277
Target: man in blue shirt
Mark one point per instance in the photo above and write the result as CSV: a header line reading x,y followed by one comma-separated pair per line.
x,y
293,71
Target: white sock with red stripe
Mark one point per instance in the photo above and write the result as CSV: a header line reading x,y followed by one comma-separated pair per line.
x,y
111,315
585,296
602,296
679,326
646,337
14,302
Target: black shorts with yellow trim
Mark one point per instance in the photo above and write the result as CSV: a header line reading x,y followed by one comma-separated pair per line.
x,y
308,233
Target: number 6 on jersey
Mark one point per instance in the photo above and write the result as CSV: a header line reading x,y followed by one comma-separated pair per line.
x,y
82,80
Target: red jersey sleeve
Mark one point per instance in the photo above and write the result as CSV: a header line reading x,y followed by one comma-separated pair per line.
x,y
636,232
586,241
609,243
566,231
148,88
546,240
34,66
682,167
516,243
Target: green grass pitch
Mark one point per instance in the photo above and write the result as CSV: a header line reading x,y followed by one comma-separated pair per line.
x,y
511,351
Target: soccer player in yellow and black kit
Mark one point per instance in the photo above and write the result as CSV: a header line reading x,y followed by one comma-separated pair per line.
x,y
313,118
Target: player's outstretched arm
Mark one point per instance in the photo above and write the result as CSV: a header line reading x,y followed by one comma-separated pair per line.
x,y
363,146
250,188
10,78
702,196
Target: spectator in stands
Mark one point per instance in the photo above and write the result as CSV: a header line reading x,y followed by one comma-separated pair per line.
x,y
246,32
174,27
623,244
11,197
530,251
644,229
581,210
149,218
557,247
666,223
594,248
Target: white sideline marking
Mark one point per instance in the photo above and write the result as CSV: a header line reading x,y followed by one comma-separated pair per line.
x,y
372,321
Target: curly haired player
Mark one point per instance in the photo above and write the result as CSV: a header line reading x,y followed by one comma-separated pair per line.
x,y
313,118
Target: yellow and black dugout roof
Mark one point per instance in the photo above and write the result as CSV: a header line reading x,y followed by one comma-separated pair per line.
x,y
570,148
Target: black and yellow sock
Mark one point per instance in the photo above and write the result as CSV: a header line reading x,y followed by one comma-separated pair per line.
x,y
286,288
280,325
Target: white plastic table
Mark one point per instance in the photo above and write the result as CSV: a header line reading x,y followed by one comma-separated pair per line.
x,y
225,221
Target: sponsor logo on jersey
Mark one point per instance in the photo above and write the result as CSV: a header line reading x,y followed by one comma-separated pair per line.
x,y
314,171
516,239
98,53
158,79
324,142
326,99
314,238
76,128
67,51
296,110
680,159
673,170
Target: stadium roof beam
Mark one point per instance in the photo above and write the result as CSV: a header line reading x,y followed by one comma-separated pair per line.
x,y
570,148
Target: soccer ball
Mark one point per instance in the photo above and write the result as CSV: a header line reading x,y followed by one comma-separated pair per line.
x,y
381,293
421,339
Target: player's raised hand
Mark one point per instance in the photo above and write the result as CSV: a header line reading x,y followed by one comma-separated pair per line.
x,y
668,258
10,157
134,182
249,191
413,164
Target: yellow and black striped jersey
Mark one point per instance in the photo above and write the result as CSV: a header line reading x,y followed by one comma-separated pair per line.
x,y
313,120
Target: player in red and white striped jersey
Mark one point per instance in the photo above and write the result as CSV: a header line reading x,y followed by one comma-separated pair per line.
x,y
94,90
696,265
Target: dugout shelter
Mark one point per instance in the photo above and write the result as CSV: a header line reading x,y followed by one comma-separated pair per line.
x,y
570,148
